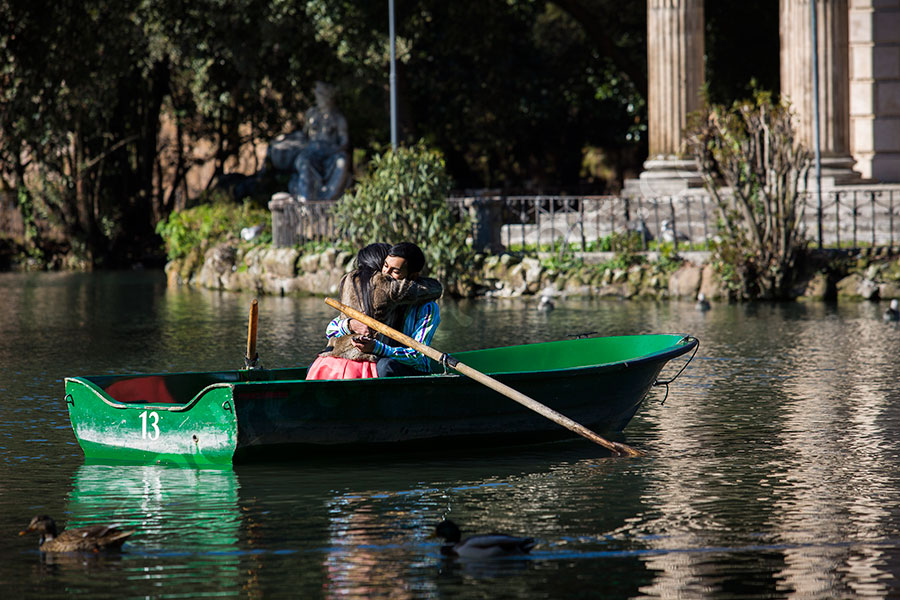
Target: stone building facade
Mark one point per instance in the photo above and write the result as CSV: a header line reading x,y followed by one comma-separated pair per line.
x,y
874,63
856,58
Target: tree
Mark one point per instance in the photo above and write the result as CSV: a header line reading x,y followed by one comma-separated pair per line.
x,y
64,81
511,92
85,87
751,149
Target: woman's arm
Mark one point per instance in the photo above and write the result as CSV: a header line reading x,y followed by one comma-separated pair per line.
x,y
410,291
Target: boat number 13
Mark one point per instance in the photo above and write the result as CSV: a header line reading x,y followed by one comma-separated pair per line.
x,y
153,419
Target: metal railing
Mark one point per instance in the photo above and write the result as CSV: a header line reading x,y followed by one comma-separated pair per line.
x,y
850,218
300,222
853,218
542,221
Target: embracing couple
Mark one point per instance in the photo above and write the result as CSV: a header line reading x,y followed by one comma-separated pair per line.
x,y
386,285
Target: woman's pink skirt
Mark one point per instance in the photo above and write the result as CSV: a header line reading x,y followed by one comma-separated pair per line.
x,y
332,367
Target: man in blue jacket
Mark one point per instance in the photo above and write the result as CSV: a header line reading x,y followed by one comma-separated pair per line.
x,y
405,260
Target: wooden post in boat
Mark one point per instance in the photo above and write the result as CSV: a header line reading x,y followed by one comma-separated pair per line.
x,y
251,361
545,411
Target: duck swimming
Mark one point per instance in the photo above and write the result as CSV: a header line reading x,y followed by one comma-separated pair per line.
x,y
92,538
702,302
491,545
546,304
893,311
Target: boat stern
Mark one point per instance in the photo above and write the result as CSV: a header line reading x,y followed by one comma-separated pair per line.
x,y
143,430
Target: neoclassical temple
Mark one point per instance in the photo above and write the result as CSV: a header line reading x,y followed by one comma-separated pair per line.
x,y
858,52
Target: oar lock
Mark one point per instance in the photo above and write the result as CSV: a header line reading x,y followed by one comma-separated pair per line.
x,y
448,361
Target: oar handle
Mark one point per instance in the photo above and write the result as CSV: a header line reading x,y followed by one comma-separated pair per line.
x,y
251,358
486,380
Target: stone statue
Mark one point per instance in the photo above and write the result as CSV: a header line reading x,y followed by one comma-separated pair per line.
x,y
284,149
316,158
322,165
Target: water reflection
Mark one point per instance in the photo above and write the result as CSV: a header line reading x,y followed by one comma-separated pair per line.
x,y
772,467
836,436
190,535
360,561
380,534
173,509
787,487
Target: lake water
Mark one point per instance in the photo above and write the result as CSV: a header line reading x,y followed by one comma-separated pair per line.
x,y
772,469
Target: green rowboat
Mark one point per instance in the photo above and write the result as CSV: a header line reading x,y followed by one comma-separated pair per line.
x,y
217,418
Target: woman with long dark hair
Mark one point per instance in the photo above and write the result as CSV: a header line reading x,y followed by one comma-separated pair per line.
x,y
370,291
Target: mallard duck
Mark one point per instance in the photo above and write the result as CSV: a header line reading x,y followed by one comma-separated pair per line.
x,y
893,311
491,545
92,538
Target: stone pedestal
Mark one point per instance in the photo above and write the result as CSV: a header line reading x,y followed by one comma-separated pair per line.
x,y
284,220
486,215
665,176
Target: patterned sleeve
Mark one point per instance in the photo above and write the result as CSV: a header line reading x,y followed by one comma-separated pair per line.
x,y
339,326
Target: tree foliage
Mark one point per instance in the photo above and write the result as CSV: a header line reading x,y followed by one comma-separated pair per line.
x,y
750,148
85,88
404,198
109,107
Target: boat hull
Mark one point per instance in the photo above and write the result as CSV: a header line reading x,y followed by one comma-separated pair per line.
x,y
244,415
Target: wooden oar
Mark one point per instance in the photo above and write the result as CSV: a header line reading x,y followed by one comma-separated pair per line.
x,y
615,447
251,361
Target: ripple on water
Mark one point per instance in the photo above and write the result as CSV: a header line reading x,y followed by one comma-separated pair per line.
x,y
771,467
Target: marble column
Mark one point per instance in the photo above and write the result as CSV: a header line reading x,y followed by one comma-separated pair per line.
x,y
834,82
676,75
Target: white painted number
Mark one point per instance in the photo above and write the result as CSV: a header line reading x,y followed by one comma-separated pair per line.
x,y
154,418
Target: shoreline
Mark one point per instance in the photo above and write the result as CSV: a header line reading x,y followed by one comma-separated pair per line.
x,y
867,274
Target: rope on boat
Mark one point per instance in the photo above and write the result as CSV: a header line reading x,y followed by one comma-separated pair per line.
x,y
663,401
666,383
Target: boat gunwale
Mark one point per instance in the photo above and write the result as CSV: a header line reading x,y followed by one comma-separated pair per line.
x,y
683,345
177,407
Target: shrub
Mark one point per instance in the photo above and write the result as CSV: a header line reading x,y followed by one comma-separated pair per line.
x,y
403,197
205,225
750,148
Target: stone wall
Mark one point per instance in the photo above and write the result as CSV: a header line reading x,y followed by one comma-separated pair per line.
x,y
266,270
281,271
